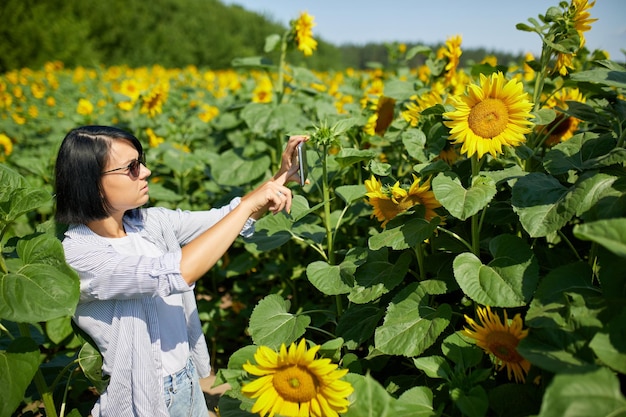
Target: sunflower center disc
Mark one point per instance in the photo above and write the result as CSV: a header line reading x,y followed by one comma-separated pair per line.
x,y
503,345
295,384
488,118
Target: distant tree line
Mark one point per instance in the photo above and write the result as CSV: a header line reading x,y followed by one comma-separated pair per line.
x,y
172,33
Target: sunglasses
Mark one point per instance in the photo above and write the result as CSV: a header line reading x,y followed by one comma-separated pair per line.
x,y
133,168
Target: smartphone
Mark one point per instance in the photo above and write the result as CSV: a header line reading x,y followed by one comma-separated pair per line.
x,y
303,169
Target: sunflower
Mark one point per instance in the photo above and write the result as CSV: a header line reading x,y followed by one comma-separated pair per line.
x,y
388,202
500,339
7,144
153,140
302,30
582,18
563,126
293,383
492,114
564,63
382,117
84,107
131,89
452,53
414,108
152,102
263,91
449,154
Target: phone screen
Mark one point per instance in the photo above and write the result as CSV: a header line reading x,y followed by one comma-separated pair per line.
x,y
303,170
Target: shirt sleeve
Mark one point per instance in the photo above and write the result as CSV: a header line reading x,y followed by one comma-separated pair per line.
x,y
106,274
189,224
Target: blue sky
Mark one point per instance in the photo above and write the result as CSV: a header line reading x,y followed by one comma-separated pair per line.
x,y
481,23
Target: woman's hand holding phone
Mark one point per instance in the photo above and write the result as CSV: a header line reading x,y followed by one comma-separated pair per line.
x,y
303,169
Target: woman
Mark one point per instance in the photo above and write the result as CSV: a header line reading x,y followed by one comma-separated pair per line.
x,y
138,267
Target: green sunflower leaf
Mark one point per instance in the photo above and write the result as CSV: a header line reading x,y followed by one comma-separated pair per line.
x,y
463,353
349,156
271,42
544,116
411,325
357,323
90,361
415,402
43,287
331,279
460,202
610,344
600,196
180,162
609,233
594,393
399,90
542,204
378,276
163,195
369,398
350,193
9,180
264,118
59,329
434,366
271,324
271,232
233,169
414,141
473,402
18,365
240,406
606,76
583,152
509,280
407,235
22,200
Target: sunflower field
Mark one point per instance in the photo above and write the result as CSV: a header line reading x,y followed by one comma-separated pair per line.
x,y
458,251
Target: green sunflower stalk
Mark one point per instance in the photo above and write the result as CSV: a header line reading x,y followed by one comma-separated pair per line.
x,y
563,36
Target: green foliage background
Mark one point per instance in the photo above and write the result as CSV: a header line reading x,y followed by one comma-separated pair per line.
x,y
171,33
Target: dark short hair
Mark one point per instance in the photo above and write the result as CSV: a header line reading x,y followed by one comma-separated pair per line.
x,y
81,159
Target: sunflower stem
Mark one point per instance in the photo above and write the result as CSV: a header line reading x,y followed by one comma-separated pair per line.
x,y
280,88
569,244
419,252
327,219
457,237
326,200
593,253
544,60
39,380
621,136
327,333
476,224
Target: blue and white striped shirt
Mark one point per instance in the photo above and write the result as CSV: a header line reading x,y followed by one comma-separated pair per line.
x,y
117,304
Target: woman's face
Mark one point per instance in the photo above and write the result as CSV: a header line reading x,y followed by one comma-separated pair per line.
x,y
122,190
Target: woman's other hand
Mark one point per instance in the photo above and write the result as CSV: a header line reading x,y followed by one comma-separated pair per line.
x,y
269,196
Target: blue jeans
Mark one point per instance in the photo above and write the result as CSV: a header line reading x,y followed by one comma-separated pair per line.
x,y
183,395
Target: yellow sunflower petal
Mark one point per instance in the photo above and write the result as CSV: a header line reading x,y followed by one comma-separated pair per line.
x,y
499,338
295,383
493,113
